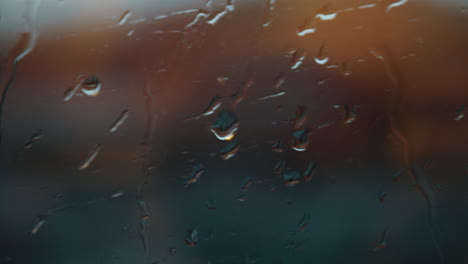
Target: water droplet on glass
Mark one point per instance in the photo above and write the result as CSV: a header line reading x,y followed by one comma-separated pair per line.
x,y
192,237
279,167
225,126
278,146
125,16
274,95
350,113
303,223
242,197
395,4
291,178
309,171
35,137
197,171
246,184
322,57
38,223
279,81
228,8
117,194
297,59
460,113
300,140
119,121
346,68
229,150
72,90
300,118
214,105
91,86
308,27
90,157
383,240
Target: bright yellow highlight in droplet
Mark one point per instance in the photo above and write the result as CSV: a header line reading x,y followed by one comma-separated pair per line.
x,y
230,137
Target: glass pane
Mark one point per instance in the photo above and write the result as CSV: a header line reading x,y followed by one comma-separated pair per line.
x,y
233,131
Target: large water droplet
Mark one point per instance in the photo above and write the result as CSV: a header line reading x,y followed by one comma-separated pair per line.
x,y
225,126
322,56
91,86
308,27
300,140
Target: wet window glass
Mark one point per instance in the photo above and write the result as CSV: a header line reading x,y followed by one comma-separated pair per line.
x,y
233,131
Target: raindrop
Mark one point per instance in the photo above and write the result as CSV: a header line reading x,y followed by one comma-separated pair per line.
x,y
246,184
279,167
117,194
297,59
229,150
240,95
91,86
229,8
291,178
242,197
346,68
303,222
278,146
300,118
300,140
192,237
395,4
72,90
225,126
197,171
326,13
460,113
322,57
350,113
119,121
308,27
35,137
274,95
125,16
309,171
38,223
215,103
279,81
222,80
90,157
383,240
